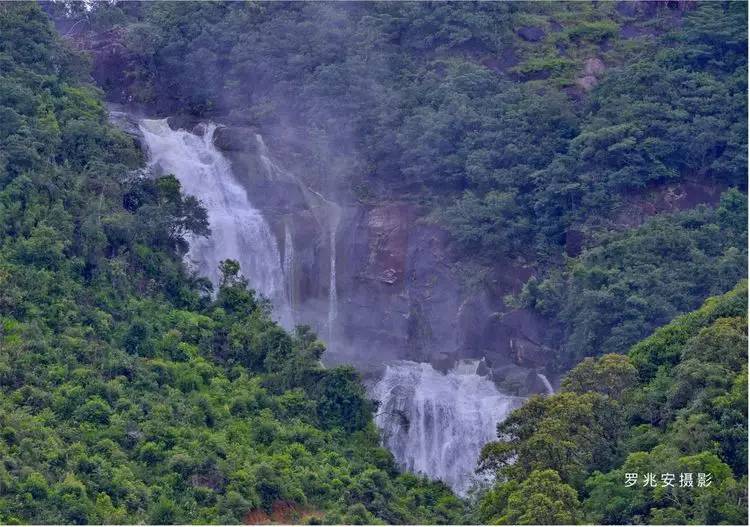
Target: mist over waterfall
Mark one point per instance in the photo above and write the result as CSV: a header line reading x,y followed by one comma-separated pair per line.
x,y
327,214
436,423
238,230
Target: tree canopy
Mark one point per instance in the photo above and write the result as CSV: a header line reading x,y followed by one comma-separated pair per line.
x,y
675,404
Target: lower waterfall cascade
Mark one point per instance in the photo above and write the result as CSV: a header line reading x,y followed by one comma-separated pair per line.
x,y
436,424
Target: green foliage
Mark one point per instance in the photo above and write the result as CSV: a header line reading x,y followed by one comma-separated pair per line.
x,y
677,403
128,394
665,346
449,105
343,401
610,375
542,499
570,433
652,274
594,31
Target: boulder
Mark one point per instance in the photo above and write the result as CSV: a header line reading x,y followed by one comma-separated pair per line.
x,y
517,337
530,33
235,139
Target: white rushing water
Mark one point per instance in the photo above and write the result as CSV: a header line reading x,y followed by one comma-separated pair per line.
x,y
547,385
289,266
436,423
238,230
333,298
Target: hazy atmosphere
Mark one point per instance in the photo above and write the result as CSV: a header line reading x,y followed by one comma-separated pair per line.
x,y
373,262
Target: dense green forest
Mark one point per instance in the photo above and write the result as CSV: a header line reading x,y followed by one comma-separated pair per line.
x,y
129,393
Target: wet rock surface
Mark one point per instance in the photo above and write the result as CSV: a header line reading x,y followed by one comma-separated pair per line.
x,y
400,291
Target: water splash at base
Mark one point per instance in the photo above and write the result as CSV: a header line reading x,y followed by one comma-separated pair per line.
x,y
435,423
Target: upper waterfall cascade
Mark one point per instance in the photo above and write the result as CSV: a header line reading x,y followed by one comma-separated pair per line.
x,y
238,230
436,423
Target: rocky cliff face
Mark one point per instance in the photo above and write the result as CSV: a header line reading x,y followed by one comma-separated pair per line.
x,y
374,279
399,290
379,282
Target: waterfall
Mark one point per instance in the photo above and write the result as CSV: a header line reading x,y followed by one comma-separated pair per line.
x,y
435,423
289,267
273,171
327,214
333,301
547,384
238,230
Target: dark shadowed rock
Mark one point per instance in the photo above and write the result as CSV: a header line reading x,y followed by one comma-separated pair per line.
x,y
501,62
574,240
483,369
236,139
517,337
184,121
124,119
535,75
443,362
535,384
516,380
627,8
530,33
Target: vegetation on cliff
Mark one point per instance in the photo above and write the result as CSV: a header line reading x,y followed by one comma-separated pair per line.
x,y
522,125
632,282
129,393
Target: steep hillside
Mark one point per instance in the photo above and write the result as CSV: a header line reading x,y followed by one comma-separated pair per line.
x,y
497,190
127,393
675,405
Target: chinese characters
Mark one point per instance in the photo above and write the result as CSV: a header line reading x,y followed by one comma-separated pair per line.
x,y
682,480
